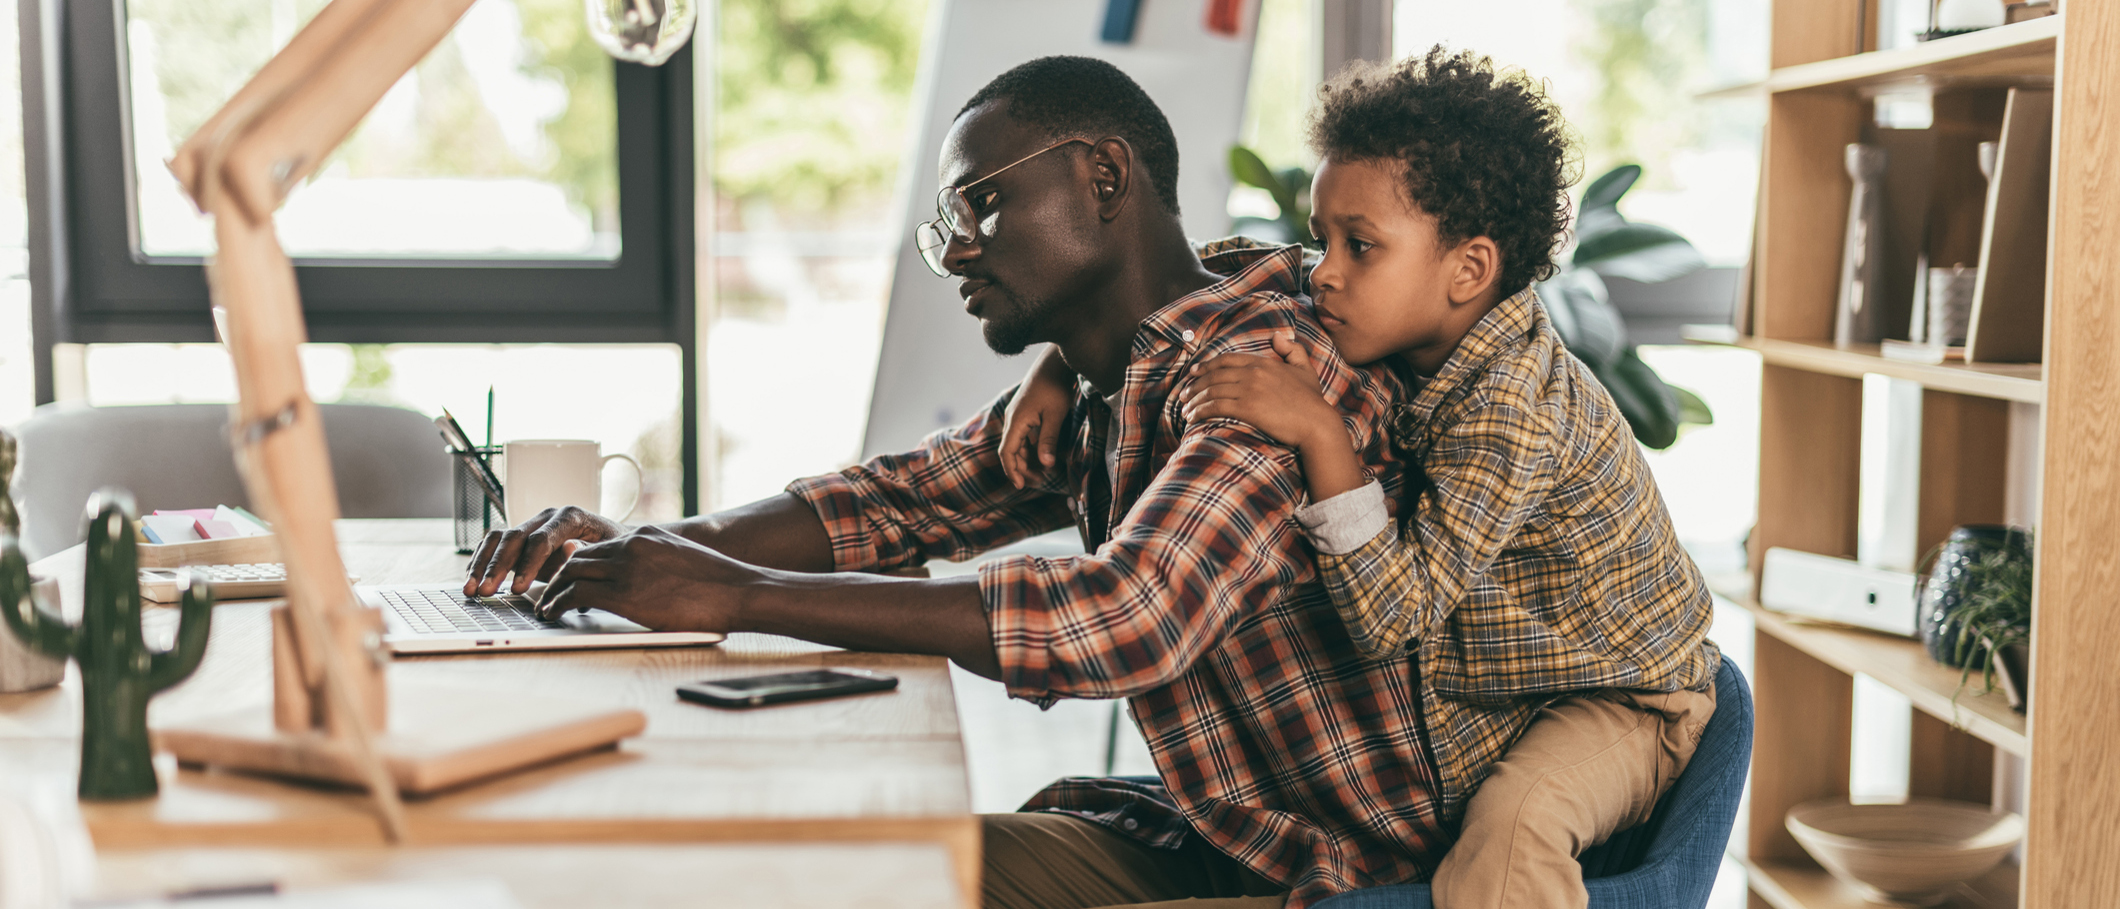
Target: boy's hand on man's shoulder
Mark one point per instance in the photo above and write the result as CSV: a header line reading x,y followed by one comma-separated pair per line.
x,y
1278,394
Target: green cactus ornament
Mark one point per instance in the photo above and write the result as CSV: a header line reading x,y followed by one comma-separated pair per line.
x,y
118,672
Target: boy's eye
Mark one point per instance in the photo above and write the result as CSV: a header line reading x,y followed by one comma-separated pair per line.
x,y
984,199
1359,247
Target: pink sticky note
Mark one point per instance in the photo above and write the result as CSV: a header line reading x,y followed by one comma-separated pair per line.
x,y
216,530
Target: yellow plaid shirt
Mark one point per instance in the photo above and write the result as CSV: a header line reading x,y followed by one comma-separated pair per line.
x,y
1533,556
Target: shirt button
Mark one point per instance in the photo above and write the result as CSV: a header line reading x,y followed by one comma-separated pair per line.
x,y
1130,823
1187,335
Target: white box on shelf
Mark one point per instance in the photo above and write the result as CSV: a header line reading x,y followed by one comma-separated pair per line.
x,y
1838,590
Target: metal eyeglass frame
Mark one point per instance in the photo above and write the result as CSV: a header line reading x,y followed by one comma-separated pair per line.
x,y
953,211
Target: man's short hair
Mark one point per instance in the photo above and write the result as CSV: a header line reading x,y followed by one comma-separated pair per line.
x,y
1483,151
1082,97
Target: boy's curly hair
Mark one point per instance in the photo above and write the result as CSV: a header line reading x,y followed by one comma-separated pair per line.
x,y
1485,151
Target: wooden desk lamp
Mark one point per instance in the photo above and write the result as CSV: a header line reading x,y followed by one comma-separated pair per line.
x,y
332,718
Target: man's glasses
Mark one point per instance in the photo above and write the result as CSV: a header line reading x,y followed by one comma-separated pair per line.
x,y
955,219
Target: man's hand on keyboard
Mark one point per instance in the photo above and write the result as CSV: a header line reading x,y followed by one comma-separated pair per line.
x,y
653,577
534,551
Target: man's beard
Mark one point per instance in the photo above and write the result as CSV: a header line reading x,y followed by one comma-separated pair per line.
x,y
1021,325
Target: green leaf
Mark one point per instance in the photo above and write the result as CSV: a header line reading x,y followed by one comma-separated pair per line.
x,y
1583,314
1691,409
1596,247
1604,192
1650,406
1244,164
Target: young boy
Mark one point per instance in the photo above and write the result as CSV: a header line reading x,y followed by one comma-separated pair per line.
x,y
1533,581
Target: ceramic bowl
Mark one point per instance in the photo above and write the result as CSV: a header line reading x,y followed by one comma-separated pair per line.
x,y
1905,854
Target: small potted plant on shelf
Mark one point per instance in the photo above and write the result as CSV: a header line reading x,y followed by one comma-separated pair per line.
x,y
1983,611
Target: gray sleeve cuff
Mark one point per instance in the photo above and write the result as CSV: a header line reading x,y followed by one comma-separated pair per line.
x,y
1341,524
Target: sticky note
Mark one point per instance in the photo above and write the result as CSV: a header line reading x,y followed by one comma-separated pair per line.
x,y
195,514
245,526
216,530
171,528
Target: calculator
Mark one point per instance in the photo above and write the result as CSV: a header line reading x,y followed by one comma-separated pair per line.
x,y
250,581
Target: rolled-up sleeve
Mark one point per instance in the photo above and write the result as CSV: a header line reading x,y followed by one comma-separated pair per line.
x,y
1210,541
948,498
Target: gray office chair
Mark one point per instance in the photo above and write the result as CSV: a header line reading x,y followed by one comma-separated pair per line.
x,y
388,461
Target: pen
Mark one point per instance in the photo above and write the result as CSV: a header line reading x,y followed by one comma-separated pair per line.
x,y
459,444
489,418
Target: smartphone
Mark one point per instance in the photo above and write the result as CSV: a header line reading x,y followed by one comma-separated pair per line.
x,y
752,691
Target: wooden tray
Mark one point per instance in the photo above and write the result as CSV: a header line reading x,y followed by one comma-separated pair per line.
x,y
238,551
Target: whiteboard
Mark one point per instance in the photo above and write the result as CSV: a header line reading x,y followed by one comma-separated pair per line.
x,y
935,370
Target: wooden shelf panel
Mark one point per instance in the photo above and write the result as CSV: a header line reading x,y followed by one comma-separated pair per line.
x,y
2022,51
1786,885
1904,666
2008,381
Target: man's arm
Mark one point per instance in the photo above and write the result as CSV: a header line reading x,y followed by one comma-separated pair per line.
x,y
670,583
948,498
779,532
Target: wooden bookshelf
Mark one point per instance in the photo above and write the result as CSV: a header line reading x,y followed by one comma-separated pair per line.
x,y
2009,53
1904,666
1819,99
2020,52
2007,381
1787,885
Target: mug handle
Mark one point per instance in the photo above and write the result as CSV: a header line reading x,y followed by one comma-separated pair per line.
x,y
640,481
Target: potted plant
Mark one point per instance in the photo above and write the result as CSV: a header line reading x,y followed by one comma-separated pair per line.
x,y
1606,245
1992,617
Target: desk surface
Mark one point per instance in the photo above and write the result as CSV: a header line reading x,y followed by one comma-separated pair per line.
x,y
884,767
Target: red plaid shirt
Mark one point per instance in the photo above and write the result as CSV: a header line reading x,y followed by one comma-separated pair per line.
x,y
1274,737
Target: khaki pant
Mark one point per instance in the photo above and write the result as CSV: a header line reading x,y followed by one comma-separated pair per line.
x,y
1058,861
1589,766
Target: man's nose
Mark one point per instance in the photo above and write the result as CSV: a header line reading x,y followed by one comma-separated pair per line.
x,y
957,253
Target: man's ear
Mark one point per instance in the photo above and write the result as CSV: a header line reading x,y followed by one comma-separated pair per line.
x,y
1111,172
1477,265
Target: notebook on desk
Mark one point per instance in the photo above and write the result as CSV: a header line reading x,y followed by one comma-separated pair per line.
x,y
439,618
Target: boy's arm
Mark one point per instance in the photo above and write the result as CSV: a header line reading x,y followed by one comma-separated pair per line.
x,y
1484,476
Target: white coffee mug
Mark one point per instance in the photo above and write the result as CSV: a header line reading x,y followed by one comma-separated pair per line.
x,y
554,473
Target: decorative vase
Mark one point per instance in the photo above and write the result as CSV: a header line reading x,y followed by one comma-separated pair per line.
x,y
1945,587
2013,673
118,671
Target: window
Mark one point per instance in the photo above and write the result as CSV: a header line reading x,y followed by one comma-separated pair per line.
x,y
502,143
516,186
517,208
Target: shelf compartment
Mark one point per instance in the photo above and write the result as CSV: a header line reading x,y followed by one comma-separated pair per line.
x,y
2020,51
1904,666
1787,885
2008,381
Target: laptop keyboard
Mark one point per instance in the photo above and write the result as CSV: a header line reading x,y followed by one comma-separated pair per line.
x,y
444,610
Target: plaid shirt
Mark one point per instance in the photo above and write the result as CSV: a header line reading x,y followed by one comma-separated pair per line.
x,y
1275,738
1535,558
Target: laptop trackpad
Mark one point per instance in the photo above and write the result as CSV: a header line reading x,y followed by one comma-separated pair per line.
x,y
597,621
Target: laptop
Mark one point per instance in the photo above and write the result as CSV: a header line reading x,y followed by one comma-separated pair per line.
x,y
439,618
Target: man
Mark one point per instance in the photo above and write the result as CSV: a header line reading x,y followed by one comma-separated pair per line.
x,y
1291,767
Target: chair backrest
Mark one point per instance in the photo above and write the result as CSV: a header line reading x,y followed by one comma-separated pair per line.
x,y
388,463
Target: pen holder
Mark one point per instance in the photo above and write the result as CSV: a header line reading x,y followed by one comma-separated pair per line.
x,y
475,515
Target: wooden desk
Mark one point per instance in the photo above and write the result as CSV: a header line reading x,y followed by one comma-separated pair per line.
x,y
882,768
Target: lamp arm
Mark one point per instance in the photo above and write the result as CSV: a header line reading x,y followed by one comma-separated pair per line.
x,y
238,168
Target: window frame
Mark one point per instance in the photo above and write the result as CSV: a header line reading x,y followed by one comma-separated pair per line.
x,y
89,285
119,295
